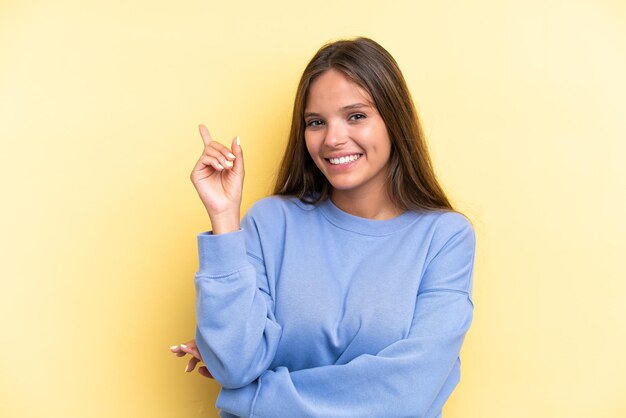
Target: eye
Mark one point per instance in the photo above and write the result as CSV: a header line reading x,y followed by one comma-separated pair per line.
x,y
314,123
357,116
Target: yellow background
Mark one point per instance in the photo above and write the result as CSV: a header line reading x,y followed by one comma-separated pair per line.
x,y
523,103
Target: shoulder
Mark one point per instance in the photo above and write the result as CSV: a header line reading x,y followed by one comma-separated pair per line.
x,y
281,204
449,228
450,223
269,222
450,257
274,211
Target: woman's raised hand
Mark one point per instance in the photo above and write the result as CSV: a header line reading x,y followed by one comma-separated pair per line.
x,y
218,179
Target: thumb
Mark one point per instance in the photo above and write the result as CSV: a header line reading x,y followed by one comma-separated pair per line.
x,y
238,163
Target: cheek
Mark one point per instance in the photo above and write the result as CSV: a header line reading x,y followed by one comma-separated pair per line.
x,y
380,141
384,148
311,146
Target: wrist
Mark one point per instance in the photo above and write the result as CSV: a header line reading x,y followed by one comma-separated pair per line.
x,y
225,222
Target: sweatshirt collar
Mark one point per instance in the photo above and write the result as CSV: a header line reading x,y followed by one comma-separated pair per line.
x,y
365,226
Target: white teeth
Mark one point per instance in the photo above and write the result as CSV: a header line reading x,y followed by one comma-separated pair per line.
x,y
344,160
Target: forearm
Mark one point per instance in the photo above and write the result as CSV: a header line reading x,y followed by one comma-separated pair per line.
x,y
236,331
411,377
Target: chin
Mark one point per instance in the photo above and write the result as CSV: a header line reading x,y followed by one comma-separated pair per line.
x,y
343,186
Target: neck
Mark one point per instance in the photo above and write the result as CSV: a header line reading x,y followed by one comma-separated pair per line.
x,y
377,206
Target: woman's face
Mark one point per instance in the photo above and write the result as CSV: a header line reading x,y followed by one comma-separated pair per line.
x,y
346,136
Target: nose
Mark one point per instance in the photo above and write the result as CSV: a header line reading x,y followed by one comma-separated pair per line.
x,y
336,135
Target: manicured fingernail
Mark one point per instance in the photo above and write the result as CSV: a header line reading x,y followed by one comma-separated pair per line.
x,y
220,166
183,346
231,155
229,163
174,347
238,141
187,368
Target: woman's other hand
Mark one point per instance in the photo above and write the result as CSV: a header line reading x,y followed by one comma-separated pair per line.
x,y
218,179
190,348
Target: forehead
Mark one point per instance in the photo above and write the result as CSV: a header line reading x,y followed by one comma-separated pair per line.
x,y
332,89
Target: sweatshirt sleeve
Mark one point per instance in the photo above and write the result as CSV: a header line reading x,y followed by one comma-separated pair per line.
x,y
236,331
411,377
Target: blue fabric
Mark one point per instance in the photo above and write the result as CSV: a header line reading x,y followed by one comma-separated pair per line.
x,y
308,311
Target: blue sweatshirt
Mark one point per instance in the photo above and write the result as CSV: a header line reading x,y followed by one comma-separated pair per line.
x,y
309,311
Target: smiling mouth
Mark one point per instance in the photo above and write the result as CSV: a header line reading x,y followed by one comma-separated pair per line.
x,y
344,160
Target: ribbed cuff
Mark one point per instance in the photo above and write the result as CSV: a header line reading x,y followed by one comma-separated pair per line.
x,y
238,401
221,254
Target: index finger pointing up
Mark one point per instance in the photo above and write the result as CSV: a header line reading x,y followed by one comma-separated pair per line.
x,y
204,133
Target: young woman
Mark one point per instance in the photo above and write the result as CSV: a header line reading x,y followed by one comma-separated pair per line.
x,y
348,292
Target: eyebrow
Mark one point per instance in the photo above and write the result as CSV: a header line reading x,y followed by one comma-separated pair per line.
x,y
348,107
